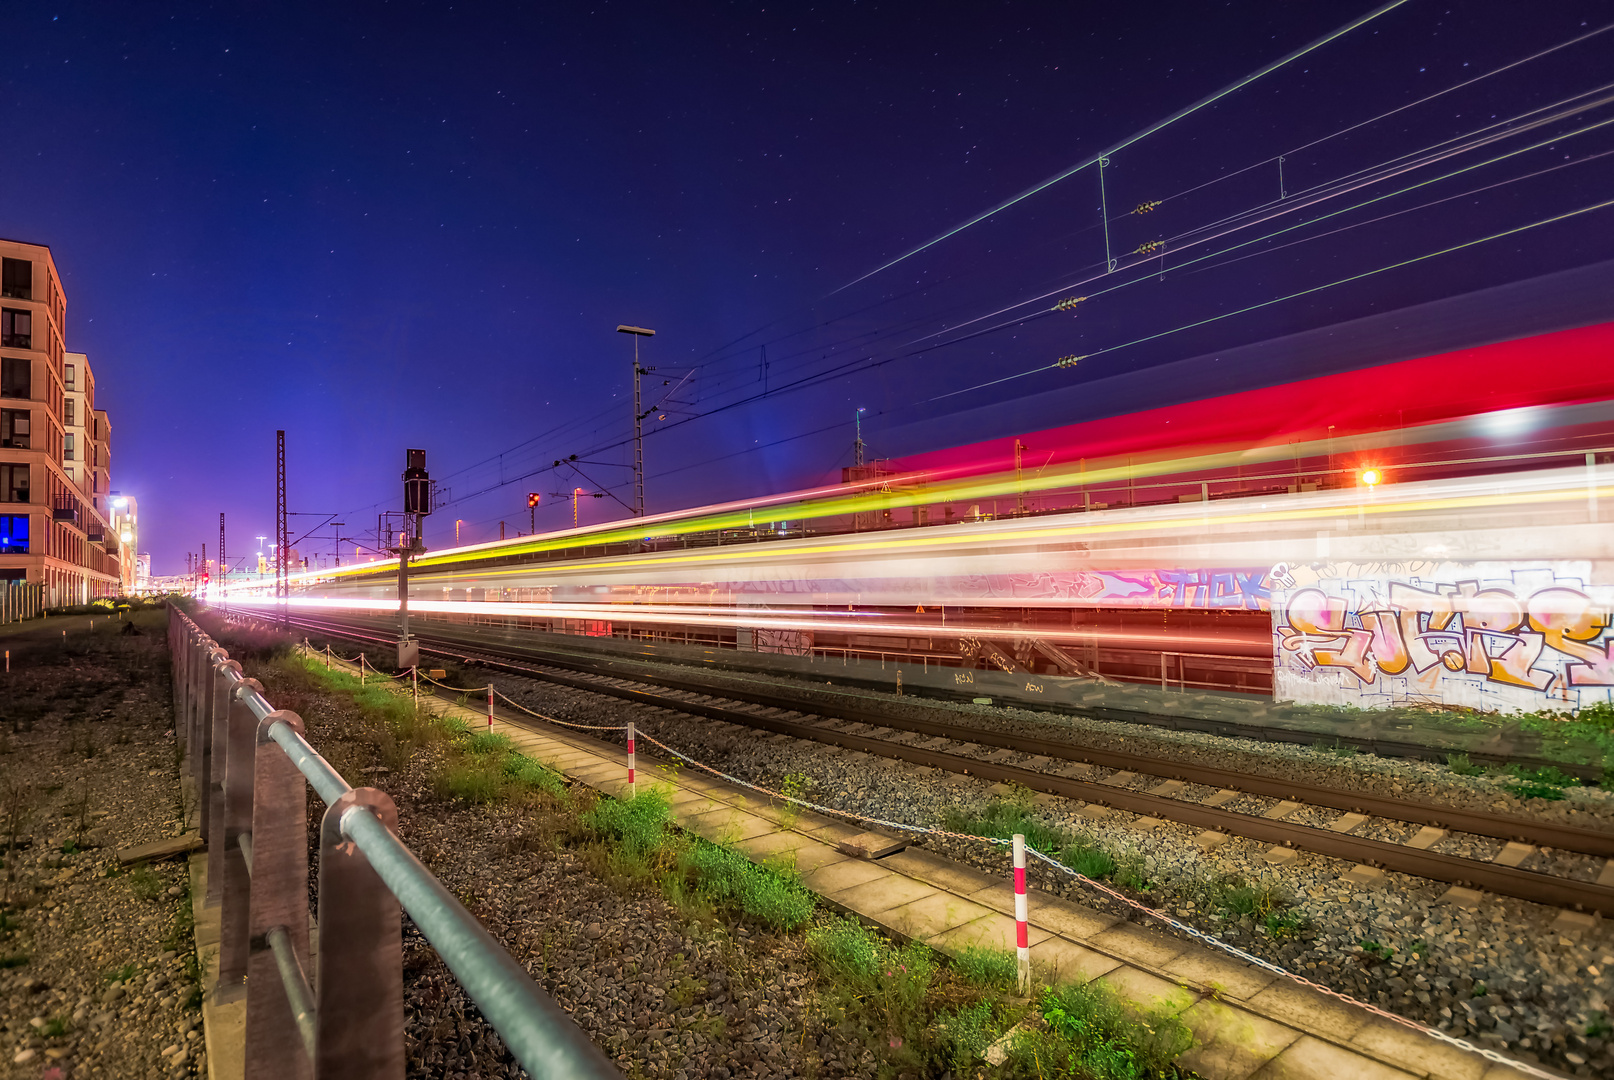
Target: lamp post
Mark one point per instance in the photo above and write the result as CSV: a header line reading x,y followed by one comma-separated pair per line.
x,y
638,417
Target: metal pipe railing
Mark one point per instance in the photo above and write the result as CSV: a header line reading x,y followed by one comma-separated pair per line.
x,y
254,821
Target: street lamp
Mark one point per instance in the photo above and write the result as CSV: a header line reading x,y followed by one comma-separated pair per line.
x,y
638,417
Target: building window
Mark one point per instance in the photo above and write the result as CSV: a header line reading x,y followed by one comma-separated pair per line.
x,y
13,483
67,447
14,429
16,328
67,412
13,532
17,279
72,372
16,377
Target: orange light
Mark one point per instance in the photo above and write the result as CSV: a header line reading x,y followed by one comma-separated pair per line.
x,y
1372,477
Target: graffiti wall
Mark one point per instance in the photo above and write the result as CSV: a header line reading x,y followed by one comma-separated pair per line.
x,y
1490,636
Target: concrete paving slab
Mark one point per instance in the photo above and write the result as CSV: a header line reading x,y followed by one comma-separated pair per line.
x,y
725,825
932,915
1061,961
1291,1004
1064,917
813,856
1230,978
1149,991
1419,1053
990,931
881,894
773,845
1132,942
1309,1058
938,871
839,876
1231,1042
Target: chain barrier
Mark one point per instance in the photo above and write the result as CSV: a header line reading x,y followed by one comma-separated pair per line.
x,y
563,723
1098,886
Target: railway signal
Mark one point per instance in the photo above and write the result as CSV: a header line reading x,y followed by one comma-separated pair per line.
x,y
532,512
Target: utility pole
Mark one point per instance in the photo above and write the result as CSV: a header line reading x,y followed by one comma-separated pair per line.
x,y
638,417
857,445
224,567
202,566
338,557
282,530
1019,487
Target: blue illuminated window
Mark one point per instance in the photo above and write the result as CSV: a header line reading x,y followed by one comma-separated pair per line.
x,y
13,534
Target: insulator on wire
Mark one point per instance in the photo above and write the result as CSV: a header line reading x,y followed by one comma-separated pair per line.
x,y
1068,361
1145,207
1150,248
1069,303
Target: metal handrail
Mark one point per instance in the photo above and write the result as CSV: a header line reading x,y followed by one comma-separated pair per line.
x,y
543,1038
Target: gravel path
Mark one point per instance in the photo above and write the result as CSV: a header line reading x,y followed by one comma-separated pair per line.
x,y
87,752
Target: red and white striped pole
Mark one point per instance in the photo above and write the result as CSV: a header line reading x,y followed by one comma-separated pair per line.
x,y
414,684
633,788
1022,947
490,706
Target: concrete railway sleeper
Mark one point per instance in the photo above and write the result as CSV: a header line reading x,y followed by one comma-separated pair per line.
x,y
1489,876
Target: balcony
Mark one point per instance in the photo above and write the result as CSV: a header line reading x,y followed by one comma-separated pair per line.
x,y
65,508
95,532
110,546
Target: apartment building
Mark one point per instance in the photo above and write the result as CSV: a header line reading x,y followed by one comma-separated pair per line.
x,y
54,456
126,523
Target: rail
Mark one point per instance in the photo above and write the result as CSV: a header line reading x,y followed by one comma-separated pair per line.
x,y
250,762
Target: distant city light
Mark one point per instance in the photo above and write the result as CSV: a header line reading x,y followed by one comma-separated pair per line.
x,y
1372,477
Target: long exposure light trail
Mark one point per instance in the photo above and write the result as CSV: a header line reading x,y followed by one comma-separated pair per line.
x,y
730,618
920,489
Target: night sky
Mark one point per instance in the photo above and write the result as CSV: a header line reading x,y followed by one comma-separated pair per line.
x,y
383,225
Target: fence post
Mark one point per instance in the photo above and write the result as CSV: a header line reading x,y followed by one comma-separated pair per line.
x,y
414,683
1021,938
490,706
360,1021
327,656
236,887
633,787
218,753
274,1045
199,753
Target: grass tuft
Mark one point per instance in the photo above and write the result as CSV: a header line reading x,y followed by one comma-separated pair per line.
x,y
772,895
981,966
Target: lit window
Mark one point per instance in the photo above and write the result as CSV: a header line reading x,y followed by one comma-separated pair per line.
x,y
13,534
71,375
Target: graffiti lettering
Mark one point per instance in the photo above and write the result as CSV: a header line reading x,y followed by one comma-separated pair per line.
x,y
1542,642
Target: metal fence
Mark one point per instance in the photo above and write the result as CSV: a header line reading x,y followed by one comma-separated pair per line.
x,y
250,762
20,600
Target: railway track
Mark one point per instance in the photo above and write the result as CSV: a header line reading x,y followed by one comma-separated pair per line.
x,y
859,724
